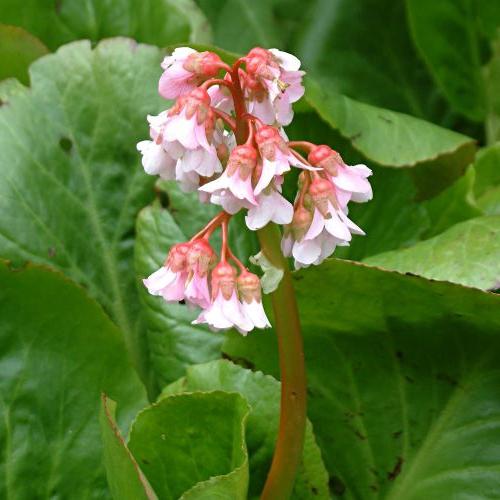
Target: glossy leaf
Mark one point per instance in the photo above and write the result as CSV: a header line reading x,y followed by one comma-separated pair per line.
x,y
159,23
70,178
125,479
389,138
192,446
18,49
448,38
492,83
263,395
58,352
468,253
403,381
487,186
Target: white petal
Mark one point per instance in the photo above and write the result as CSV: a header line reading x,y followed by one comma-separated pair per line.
x,y
255,312
287,61
306,251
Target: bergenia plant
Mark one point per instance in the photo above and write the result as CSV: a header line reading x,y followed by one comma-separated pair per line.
x,y
223,138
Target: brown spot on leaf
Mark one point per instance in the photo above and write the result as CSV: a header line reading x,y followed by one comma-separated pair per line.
x,y
397,469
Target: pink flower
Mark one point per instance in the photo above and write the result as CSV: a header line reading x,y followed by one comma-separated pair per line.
x,y
200,257
349,179
156,161
233,189
185,69
271,206
225,310
251,300
274,82
276,156
169,281
314,234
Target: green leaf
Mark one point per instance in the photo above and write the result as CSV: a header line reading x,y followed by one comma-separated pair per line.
x,y
487,186
240,25
448,38
192,446
18,49
403,381
263,395
59,351
393,139
158,22
468,253
125,478
71,182
492,83
333,41
10,87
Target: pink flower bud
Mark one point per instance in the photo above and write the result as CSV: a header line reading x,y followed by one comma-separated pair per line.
x,y
223,280
249,287
243,159
325,157
322,192
200,257
301,222
203,65
176,259
268,139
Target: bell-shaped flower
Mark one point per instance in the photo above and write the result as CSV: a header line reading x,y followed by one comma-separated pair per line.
x,y
200,258
276,157
225,310
185,69
170,280
271,206
233,189
350,179
251,299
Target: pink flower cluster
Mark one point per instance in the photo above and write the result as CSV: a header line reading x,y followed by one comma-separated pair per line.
x,y
190,274
223,138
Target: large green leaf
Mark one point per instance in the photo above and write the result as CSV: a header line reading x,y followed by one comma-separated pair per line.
x,y
18,49
159,22
468,253
263,394
492,83
58,352
70,178
125,478
393,139
192,446
447,34
403,381
487,186
334,41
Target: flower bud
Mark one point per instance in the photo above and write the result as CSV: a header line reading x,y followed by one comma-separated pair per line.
x,y
203,65
176,259
223,280
200,257
268,139
325,157
301,222
260,63
249,287
197,101
243,159
322,192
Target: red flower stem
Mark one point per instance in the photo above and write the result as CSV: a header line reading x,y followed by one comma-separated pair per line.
x,y
225,118
236,260
215,81
301,145
211,226
290,441
224,249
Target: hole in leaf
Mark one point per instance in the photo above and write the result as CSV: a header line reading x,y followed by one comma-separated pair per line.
x,y
65,144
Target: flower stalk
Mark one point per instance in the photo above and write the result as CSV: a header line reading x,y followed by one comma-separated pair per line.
x,y
224,139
